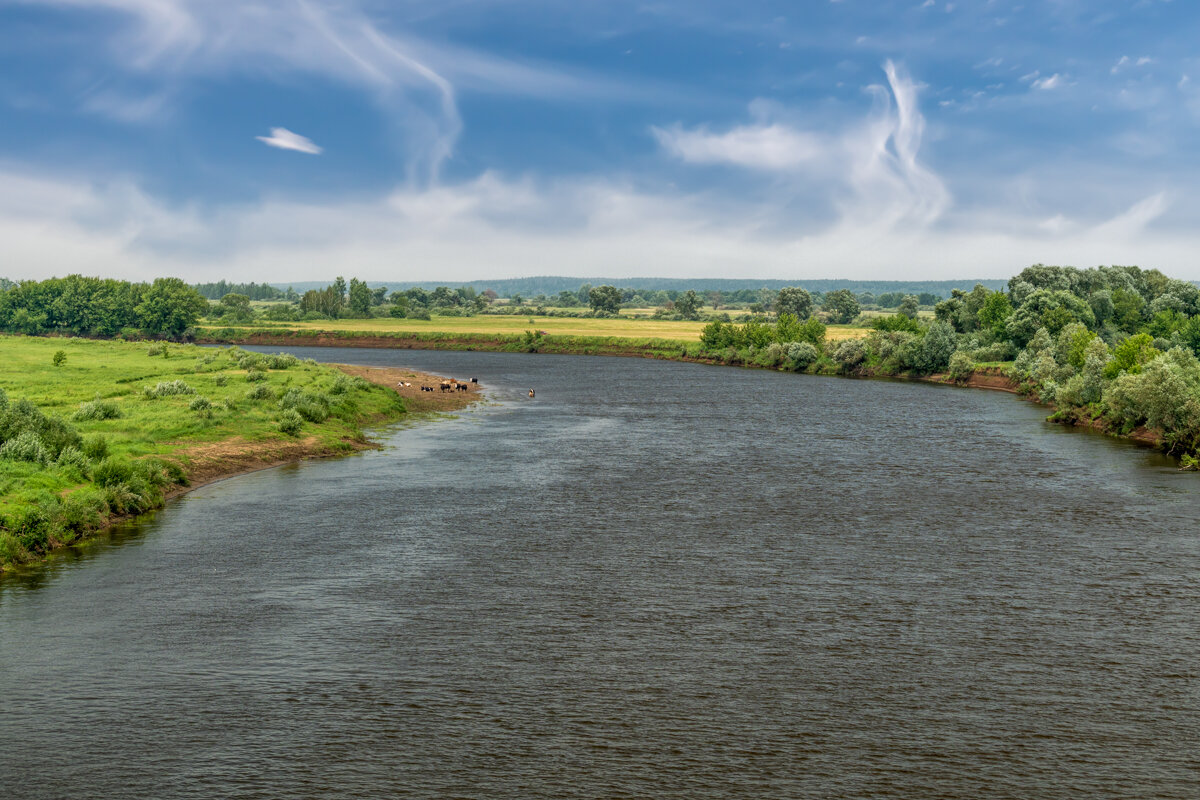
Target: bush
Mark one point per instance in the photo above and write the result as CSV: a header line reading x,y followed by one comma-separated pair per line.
x,y
256,375
25,446
341,385
112,471
70,458
312,407
221,379
961,366
260,392
97,410
167,389
850,353
60,358
94,446
200,403
281,361
157,350
802,354
290,422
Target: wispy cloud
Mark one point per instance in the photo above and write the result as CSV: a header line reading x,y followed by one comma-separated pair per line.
x,y
286,140
1050,82
871,168
767,147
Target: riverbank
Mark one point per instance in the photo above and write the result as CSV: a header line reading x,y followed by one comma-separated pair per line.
x,y
94,432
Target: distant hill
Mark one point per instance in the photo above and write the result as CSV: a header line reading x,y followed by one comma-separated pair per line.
x,y
552,285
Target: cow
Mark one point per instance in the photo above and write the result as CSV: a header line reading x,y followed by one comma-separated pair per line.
x,y
474,380
462,387
447,386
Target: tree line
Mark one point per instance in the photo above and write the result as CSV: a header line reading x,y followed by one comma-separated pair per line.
x,y
103,307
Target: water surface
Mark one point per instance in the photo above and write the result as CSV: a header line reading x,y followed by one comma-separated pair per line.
x,y
654,580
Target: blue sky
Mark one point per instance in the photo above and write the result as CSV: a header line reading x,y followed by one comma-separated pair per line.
x,y
463,139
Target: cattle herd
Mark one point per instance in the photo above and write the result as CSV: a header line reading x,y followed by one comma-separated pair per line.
x,y
450,385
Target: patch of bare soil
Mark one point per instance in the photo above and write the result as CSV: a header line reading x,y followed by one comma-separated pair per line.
x,y
420,390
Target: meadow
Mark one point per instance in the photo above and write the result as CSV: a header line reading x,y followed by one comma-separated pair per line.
x,y
90,430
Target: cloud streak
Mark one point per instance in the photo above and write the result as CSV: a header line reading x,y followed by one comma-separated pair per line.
x,y
284,139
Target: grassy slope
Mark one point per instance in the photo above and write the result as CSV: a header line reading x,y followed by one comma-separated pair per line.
x,y
207,443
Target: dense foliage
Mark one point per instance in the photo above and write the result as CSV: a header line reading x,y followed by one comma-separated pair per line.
x,y
100,307
1113,347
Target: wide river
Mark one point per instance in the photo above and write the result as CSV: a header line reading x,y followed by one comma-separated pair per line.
x,y
654,580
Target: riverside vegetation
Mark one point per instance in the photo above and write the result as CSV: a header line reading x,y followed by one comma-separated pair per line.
x,y
95,430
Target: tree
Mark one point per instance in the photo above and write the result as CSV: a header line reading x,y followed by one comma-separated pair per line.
x,y
60,358
936,348
339,286
605,299
360,297
842,306
715,299
170,307
236,306
795,301
687,305
909,306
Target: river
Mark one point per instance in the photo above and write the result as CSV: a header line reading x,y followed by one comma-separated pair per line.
x,y
653,580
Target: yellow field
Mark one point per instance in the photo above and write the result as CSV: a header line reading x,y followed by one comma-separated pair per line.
x,y
624,328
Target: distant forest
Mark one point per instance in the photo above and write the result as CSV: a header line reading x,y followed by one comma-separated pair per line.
x,y
552,285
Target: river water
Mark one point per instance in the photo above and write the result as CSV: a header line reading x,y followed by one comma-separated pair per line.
x,y
654,580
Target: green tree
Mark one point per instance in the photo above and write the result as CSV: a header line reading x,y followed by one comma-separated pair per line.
x,y
60,358
170,307
687,305
936,348
236,306
360,297
909,306
339,286
605,299
842,306
795,301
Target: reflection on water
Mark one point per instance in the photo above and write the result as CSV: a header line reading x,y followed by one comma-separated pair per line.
x,y
653,580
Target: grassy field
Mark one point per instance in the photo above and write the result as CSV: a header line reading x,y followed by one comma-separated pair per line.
x,y
115,425
505,325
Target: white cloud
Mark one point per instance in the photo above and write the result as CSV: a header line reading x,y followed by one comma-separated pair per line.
x,y
1052,82
767,147
870,170
286,140
496,227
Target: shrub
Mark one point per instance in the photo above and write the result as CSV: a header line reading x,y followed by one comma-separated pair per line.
x,y
341,385
312,407
60,358
167,389
260,392
200,403
961,366
850,353
94,446
802,354
97,410
281,361
157,350
290,422
221,379
254,375
72,458
230,404
25,446
112,471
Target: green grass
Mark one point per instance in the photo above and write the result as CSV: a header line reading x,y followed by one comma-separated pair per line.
x,y
174,429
